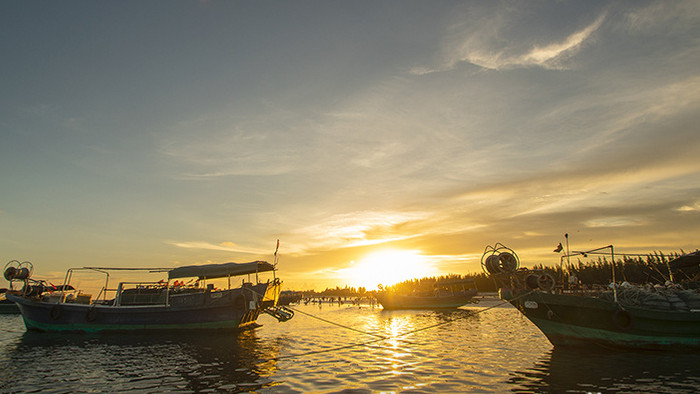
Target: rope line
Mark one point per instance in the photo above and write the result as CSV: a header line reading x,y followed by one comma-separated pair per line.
x,y
338,324
470,314
381,338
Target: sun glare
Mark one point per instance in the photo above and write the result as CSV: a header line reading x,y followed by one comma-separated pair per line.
x,y
387,267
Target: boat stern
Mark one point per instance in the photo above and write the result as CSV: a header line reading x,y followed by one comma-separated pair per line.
x,y
272,293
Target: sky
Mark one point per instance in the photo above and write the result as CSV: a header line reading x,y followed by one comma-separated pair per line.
x,y
374,139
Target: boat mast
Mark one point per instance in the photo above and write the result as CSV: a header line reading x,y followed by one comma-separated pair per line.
x,y
274,262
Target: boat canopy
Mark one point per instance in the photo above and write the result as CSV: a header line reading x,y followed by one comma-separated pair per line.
x,y
212,271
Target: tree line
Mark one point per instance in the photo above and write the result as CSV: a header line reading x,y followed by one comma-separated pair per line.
x,y
653,268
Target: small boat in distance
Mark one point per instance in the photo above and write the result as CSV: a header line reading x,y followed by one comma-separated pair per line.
x,y
446,294
7,307
660,317
168,304
289,297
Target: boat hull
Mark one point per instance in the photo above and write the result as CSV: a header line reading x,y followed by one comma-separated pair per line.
x,y
227,310
572,320
393,301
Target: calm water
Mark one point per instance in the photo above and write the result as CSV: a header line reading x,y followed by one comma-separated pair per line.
x,y
493,351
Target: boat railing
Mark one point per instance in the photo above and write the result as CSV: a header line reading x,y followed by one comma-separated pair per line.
x,y
142,293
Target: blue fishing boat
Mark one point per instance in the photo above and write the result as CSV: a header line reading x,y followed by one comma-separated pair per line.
x,y
169,304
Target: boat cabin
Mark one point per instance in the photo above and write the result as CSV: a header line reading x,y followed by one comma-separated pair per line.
x,y
195,282
453,286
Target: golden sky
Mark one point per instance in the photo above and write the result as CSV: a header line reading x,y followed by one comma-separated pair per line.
x,y
376,141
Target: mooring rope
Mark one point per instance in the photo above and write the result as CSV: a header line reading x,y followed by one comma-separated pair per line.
x,y
381,338
338,324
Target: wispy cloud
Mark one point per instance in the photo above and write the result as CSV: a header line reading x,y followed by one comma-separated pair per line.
x,y
570,191
260,143
358,229
551,55
693,207
614,221
485,43
223,246
662,17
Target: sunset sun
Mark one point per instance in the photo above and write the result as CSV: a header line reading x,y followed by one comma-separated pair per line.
x,y
388,267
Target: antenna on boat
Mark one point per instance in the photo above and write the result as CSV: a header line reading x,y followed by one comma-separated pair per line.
x,y
568,253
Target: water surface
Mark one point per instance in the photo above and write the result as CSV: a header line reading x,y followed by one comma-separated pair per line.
x,y
478,348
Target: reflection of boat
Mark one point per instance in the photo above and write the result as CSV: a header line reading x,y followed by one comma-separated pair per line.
x,y
582,370
169,362
164,305
445,294
626,316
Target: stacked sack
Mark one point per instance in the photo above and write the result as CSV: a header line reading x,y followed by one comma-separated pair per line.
x,y
665,298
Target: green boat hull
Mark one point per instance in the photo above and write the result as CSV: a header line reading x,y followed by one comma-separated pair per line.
x,y
575,320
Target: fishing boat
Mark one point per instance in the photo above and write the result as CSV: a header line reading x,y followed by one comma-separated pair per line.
x,y
660,317
446,294
289,297
169,304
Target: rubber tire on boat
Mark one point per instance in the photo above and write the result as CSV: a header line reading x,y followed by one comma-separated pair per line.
x,y
531,281
546,282
92,314
55,312
622,319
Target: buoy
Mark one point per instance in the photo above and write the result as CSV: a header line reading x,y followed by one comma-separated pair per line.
x,y
545,282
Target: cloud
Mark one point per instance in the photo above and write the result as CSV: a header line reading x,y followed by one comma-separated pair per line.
x,y
491,43
693,207
230,154
355,229
662,17
265,141
585,188
615,221
223,246
551,55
